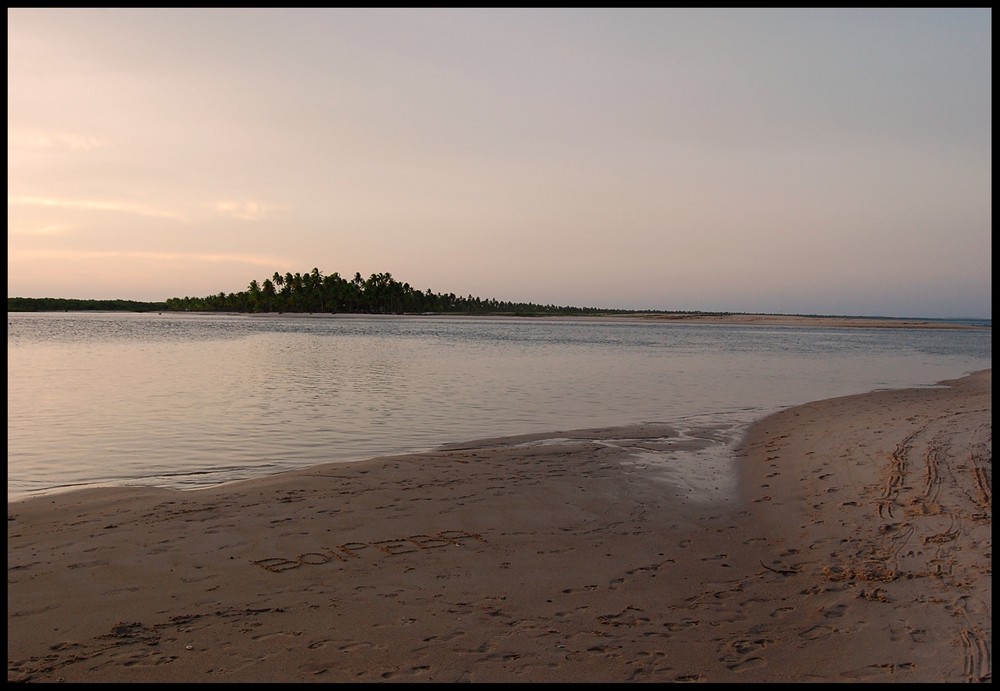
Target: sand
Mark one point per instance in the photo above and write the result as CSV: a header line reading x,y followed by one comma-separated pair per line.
x,y
710,318
852,542
833,322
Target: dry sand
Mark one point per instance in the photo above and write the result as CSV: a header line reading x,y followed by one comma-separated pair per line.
x,y
856,546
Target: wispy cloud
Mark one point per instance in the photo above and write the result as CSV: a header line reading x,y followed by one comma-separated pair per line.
x,y
50,229
50,140
207,257
244,211
95,205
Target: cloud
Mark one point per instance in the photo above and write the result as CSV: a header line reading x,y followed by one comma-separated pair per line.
x,y
244,211
214,258
50,229
91,205
66,140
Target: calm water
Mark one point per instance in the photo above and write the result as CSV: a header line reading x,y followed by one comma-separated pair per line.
x,y
185,401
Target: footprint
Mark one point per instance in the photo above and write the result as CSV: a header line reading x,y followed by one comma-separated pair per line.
x,y
681,625
834,612
749,663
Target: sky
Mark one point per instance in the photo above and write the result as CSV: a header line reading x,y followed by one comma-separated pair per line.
x,y
801,161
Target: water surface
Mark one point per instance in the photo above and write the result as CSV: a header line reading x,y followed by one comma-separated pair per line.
x,y
190,400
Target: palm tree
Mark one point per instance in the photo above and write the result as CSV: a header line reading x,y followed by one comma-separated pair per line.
x,y
268,290
296,290
315,282
333,291
279,282
254,295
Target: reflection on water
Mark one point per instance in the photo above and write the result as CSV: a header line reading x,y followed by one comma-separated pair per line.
x,y
184,400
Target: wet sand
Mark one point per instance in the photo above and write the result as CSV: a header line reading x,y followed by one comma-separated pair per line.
x,y
855,545
717,319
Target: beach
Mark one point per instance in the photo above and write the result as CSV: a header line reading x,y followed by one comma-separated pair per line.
x,y
713,318
853,543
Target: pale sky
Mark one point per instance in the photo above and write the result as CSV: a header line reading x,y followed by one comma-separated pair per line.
x,y
806,161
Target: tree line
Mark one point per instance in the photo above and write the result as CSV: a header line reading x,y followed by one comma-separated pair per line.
x,y
18,304
314,292
380,293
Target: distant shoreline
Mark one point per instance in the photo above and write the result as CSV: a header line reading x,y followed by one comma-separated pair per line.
x,y
684,318
741,319
834,321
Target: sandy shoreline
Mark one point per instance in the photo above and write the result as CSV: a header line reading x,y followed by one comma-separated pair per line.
x,y
857,546
800,320
717,319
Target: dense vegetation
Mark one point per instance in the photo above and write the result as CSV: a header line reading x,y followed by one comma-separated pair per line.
x,y
378,294
68,304
313,292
